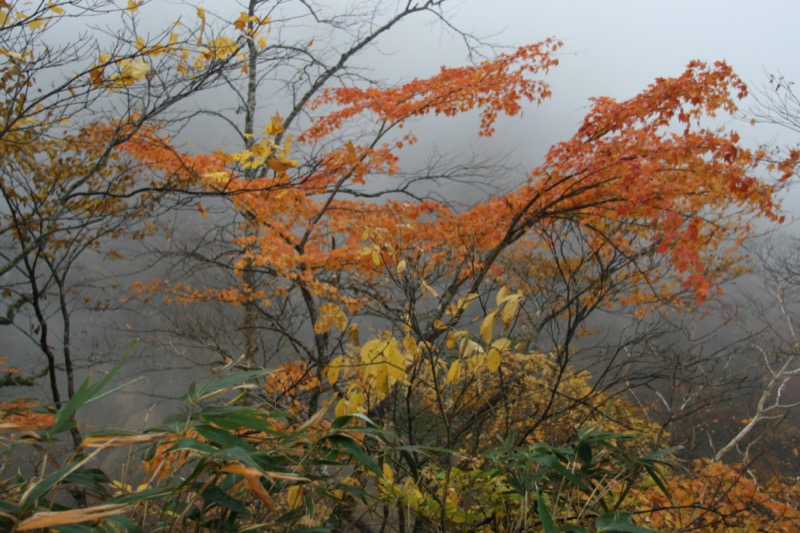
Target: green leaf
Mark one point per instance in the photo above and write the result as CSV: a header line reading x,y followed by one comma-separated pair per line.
x,y
234,417
213,494
572,528
584,452
412,464
142,495
358,492
118,524
86,394
74,528
238,455
618,523
219,383
36,491
354,450
658,480
544,514
553,462
193,445
92,479
222,438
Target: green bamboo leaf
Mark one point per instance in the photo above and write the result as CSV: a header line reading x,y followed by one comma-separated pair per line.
x,y
142,495
658,480
215,495
584,452
234,417
544,515
618,523
36,491
192,445
551,461
86,394
354,450
219,383
222,438
119,524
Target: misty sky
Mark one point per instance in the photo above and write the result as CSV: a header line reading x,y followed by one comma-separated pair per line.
x,y
613,48
616,48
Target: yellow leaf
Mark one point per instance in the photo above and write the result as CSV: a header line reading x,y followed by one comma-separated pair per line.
x,y
35,24
493,360
294,497
216,177
410,345
501,295
501,344
139,69
388,475
428,288
355,402
450,343
470,347
510,310
341,408
455,370
275,126
352,334
133,6
329,316
241,23
333,370
56,9
401,267
376,258
372,350
381,381
487,325
202,16
395,361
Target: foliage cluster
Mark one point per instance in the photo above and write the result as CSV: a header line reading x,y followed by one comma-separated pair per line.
x,y
467,407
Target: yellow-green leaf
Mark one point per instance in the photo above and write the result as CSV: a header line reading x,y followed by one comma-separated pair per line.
x,y
455,370
294,497
510,310
333,370
493,360
501,295
487,325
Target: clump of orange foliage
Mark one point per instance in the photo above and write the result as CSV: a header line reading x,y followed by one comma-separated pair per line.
x,y
21,414
717,497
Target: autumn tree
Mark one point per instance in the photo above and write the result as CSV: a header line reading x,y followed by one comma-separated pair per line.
x,y
644,206
67,190
467,401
